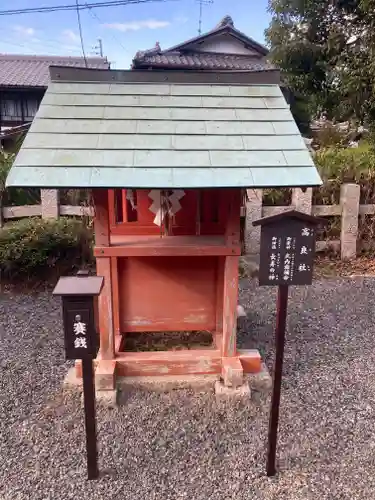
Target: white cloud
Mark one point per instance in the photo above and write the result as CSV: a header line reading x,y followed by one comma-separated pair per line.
x,y
181,20
151,24
70,36
24,30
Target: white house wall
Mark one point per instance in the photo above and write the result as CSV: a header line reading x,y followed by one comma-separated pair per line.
x,y
224,44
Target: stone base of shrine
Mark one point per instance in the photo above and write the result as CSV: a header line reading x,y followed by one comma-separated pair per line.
x,y
171,369
108,387
199,383
242,392
176,363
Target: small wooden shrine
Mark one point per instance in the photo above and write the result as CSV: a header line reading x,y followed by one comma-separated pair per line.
x,y
170,261
167,156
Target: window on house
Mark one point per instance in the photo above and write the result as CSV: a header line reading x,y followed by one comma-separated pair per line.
x,y
30,108
11,109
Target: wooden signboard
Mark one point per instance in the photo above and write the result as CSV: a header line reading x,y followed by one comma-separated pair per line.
x,y
287,250
81,340
80,336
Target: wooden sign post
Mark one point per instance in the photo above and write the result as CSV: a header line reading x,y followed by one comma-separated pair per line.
x,y
81,342
287,250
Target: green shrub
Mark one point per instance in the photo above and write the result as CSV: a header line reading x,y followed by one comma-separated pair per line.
x,y
75,196
21,196
36,248
337,166
277,197
330,136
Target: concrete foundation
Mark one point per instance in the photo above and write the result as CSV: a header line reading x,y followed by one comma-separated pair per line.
x,y
262,381
259,382
242,392
107,398
168,382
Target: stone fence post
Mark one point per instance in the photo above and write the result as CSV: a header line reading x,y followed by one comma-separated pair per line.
x,y
50,202
349,201
302,201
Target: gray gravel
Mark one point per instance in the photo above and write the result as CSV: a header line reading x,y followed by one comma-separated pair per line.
x,y
183,445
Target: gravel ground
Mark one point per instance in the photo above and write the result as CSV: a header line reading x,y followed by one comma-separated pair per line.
x,y
183,445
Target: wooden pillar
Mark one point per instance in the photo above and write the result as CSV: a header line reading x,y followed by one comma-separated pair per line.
x,y
101,217
218,334
253,212
232,372
103,268
115,295
232,232
231,264
229,346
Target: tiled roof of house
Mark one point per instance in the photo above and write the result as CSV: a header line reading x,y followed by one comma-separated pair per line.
x,y
226,25
202,60
33,71
183,56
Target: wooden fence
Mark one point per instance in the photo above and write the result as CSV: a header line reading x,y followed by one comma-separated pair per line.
x,y
49,208
349,210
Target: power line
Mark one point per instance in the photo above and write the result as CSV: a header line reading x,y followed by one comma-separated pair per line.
x,y
67,7
47,45
95,16
80,32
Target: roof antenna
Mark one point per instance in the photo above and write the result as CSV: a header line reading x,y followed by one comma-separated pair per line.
x,y
201,3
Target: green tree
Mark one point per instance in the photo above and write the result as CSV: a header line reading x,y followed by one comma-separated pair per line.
x,y
6,161
14,196
326,50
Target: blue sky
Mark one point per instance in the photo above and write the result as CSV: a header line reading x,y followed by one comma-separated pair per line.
x,y
123,30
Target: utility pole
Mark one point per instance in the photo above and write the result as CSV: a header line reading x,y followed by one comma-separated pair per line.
x,y
99,47
201,3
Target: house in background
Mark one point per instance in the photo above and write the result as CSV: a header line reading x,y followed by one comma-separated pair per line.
x,y
222,49
23,81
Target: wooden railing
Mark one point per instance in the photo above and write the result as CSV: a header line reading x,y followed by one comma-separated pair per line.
x,y
15,212
348,210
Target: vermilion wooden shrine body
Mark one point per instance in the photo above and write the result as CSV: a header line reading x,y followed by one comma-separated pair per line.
x,y
184,281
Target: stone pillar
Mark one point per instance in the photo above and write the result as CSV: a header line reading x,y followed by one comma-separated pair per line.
x,y
253,212
349,201
302,201
105,375
50,203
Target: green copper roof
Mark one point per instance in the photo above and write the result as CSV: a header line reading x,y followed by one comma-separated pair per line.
x,y
163,135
